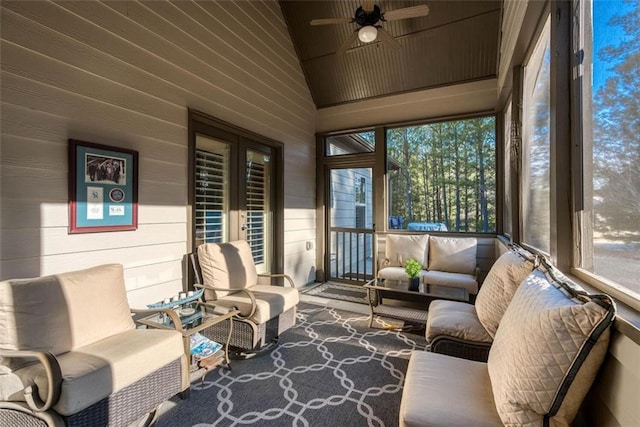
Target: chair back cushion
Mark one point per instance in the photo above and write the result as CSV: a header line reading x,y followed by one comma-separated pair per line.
x,y
63,312
453,254
501,283
226,266
547,350
400,247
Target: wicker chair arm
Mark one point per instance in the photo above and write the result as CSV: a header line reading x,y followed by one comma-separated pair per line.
x,y
54,378
289,279
250,294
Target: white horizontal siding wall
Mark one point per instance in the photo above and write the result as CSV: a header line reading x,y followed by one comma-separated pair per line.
x,y
124,74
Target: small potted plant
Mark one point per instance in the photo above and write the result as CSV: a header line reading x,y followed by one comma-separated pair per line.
x,y
412,267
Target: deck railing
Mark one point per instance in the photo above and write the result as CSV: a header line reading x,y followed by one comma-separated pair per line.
x,y
351,255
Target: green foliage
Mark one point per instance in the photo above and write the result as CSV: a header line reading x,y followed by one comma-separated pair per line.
x,y
412,267
444,172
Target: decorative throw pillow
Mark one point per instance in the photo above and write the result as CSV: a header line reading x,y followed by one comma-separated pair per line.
x,y
501,283
547,350
400,247
453,254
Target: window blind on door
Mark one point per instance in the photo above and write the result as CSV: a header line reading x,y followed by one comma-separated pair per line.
x,y
211,195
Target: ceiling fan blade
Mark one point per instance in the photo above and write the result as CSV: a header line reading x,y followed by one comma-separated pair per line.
x,y
407,12
367,5
325,21
347,43
387,38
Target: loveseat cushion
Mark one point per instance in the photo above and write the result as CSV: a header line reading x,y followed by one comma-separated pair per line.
x,y
271,301
455,280
400,247
455,319
396,273
547,350
226,266
453,254
444,391
93,372
500,285
63,312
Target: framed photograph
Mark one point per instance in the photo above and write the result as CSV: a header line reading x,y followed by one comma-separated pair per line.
x,y
103,188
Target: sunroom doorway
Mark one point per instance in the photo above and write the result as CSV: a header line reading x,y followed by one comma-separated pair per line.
x,y
350,224
349,196
235,190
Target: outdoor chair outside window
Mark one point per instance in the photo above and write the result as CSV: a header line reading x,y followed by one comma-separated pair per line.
x,y
228,274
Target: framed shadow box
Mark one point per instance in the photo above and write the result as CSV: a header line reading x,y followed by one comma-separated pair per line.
x,y
103,188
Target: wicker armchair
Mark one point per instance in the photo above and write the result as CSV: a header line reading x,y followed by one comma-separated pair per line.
x,y
467,330
70,353
228,274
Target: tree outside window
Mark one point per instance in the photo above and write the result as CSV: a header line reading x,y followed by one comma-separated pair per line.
x,y
442,176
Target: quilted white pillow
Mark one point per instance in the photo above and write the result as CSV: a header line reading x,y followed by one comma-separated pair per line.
x,y
501,283
400,247
547,351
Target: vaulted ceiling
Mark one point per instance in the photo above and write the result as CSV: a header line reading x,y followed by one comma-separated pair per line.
x,y
456,42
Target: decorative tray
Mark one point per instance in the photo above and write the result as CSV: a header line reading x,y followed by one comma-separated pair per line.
x,y
161,304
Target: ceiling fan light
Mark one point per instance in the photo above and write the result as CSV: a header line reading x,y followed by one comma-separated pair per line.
x,y
367,34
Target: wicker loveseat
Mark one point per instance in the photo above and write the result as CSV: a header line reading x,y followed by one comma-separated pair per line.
x,y
546,353
70,353
446,261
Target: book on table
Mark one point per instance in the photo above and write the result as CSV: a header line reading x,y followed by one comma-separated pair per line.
x,y
202,347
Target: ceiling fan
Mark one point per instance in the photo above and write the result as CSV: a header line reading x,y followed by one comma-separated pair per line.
x,y
369,18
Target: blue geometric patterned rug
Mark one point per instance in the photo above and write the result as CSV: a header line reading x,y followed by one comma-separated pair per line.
x,y
330,369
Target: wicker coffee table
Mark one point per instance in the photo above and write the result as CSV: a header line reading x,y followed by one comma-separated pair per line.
x,y
377,289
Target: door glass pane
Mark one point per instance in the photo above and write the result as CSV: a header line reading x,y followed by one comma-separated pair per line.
x,y
211,190
259,220
351,224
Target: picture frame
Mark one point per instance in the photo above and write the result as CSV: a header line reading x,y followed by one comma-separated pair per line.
x,y
103,188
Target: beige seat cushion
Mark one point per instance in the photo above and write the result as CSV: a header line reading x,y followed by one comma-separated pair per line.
x,y
226,266
454,280
446,391
63,312
541,362
501,283
93,372
271,301
400,247
455,319
453,254
396,273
